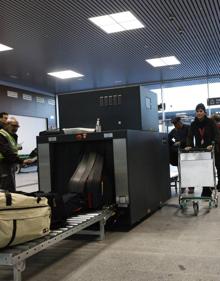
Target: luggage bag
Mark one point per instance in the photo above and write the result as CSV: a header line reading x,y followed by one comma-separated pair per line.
x,y
22,218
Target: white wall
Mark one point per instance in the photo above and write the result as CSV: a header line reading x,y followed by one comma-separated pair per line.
x,y
29,129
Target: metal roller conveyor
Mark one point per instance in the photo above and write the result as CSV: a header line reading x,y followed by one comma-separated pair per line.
x,y
16,256
78,220
72,223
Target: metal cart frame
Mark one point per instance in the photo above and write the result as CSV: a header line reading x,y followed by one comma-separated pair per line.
x,y
197,169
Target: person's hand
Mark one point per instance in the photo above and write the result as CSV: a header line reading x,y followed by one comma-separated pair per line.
x,y
19,146
177,143
27,162
187,148
209,147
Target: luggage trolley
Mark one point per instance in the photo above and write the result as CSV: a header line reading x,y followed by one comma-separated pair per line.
x,y
197,169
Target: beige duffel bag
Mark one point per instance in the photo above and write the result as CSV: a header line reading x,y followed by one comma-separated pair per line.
x,y
22,218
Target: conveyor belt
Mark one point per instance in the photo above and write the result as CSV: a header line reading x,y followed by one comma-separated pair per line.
x,y
16,256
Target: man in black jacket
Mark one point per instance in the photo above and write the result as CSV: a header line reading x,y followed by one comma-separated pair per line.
x,y
177,138
9,155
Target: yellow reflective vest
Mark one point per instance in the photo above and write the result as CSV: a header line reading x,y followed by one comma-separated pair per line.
x,y
11,141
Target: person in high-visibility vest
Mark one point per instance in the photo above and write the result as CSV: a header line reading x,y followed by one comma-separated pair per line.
x,y
9,155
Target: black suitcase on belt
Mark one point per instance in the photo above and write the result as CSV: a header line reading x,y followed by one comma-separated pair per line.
x,y
58,212
74,203
63,207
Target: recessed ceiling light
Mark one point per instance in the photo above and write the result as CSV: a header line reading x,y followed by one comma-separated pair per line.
x,y
163,61
113,28
156,62
4,48
117,22
123,17
129,25
170,60
65,74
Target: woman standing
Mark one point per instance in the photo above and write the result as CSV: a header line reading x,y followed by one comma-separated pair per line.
x,y
203,133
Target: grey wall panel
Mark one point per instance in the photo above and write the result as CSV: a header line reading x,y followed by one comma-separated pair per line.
x,y
44,167
121,172
149,111
38,106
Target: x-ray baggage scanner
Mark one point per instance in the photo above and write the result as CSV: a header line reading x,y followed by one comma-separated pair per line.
x,y
132,159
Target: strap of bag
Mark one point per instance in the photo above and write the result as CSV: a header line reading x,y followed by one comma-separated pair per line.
x,y
13,233
8,198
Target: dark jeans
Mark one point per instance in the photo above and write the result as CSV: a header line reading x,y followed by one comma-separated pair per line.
x,y
7,177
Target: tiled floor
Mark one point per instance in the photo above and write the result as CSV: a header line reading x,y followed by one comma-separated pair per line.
x,y
27,180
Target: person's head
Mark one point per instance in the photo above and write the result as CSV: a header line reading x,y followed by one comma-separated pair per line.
x,y
200,111
3,117
216,117
177,122
12,125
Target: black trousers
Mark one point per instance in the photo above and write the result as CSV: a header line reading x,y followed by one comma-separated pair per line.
x,y
173,153
7,177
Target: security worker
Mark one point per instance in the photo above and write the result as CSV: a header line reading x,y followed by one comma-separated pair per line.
x,y
9,155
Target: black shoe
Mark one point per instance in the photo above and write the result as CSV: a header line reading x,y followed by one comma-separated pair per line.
x,y
190,190
183,190
206,192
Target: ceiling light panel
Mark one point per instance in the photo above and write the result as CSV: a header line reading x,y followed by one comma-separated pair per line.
x,y
129,25
4,48
103,20
124,16
170,60
66,74
156,62
163,61
117,22
113,28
